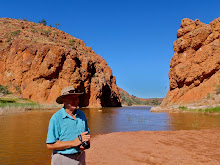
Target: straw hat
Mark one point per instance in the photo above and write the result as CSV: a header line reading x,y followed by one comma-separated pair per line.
x,y
67,91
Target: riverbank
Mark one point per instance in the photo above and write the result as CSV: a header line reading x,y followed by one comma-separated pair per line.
x,y
11,108
156,147
213,109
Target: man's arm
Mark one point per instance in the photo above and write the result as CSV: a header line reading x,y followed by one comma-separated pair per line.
x,y
61,145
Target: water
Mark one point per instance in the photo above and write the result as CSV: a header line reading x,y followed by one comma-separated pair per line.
x,y
23,135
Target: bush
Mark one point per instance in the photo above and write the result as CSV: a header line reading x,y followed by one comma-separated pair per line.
x,y
4,90
183,108
146,103
72,42
43,22
46,32
129,102
213,110
15,33
208,96
155,102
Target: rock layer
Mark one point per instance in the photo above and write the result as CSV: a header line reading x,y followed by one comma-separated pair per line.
x,y
195,66
39,61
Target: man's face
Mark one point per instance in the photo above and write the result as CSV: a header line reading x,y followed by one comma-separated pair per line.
x,y
71,102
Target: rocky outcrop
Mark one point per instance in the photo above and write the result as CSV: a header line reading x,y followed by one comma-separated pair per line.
x,y
195,67
39,61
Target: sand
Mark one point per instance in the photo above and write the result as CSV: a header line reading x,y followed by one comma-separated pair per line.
x,y
182,147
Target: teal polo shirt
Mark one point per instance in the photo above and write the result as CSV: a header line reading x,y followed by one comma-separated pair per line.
x,y
64,128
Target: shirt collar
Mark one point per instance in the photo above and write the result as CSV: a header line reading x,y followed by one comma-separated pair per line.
x,y
64,114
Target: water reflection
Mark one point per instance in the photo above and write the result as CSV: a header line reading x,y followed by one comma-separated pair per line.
x,y
188,121
23,136
106,120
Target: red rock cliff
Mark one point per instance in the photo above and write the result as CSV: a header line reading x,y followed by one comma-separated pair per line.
x,y
41,60
195,66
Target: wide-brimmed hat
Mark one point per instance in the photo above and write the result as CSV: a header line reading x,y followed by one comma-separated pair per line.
x,y
67,91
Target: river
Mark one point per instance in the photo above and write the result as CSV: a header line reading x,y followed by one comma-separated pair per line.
x,y
23,135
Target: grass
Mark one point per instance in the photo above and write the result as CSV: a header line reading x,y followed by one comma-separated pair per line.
x,y
20,105
17,103
207,110
213,110
183,108
15,33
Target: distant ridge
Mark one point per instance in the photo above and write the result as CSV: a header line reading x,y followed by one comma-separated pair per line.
x,y
128,99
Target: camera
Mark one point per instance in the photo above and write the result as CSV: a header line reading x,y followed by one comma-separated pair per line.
x,y
85,144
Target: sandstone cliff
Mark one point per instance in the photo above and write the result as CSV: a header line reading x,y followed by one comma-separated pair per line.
x,y
39,61
195,67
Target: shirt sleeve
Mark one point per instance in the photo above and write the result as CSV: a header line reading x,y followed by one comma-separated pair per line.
x,y
53,134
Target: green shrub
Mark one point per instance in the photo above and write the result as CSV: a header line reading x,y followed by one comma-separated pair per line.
x,y
72,42
43,22
15,33
208,96
4,90
213,110
146,103
183,108
155,102
129,102
46,32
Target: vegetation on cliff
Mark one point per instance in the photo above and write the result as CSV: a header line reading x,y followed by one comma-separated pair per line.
x,y
129,100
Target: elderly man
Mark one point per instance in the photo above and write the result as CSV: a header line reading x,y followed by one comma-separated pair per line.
x,y
68,131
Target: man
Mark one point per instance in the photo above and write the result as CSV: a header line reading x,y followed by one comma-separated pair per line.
x,y
68,131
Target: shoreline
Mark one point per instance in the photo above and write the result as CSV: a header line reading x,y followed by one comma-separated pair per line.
x,y
156,147
205,109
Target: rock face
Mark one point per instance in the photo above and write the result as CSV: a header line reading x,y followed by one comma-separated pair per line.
x,y
39,61
195,66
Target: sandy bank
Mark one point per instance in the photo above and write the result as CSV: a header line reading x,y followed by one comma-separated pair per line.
x,y
159,147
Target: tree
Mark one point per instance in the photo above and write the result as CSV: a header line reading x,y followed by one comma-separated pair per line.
x,y
43,22
18,89
57,24
129,102
146,102
155,101
4,91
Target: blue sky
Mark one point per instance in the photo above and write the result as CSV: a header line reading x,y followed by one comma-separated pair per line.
x,y
135,37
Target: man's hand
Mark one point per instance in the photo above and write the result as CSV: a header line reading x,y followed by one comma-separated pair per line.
x,y
85,136
82,148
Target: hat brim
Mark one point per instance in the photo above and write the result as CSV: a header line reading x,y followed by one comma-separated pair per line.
x,y
59,99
